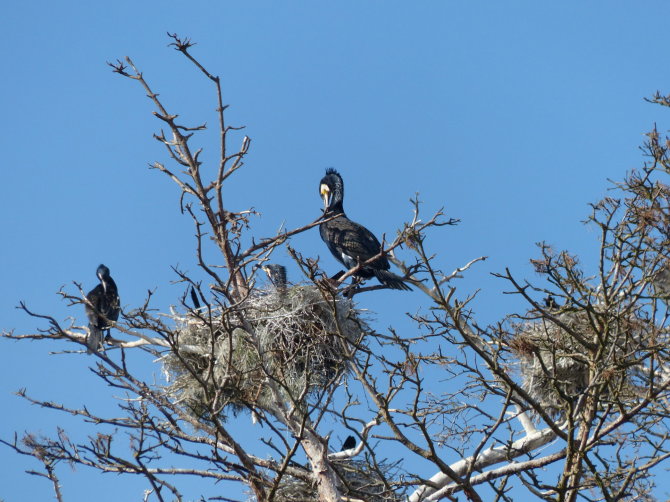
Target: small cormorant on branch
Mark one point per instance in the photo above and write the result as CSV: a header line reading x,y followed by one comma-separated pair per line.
x,y
350,242
103,306
349,443
194,299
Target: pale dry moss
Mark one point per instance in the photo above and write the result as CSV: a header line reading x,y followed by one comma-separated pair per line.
x,y
556,366
359,481
294,338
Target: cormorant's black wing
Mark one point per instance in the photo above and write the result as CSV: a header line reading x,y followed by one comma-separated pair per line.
x,y
95,297
352,243
110,304
96,323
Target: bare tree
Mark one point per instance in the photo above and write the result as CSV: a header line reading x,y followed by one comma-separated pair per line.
x,y
564,400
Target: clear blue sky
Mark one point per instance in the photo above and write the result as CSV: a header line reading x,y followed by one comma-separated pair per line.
x,y
511,115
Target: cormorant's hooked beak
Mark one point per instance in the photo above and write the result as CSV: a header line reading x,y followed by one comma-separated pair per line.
x,y
103,282
325,193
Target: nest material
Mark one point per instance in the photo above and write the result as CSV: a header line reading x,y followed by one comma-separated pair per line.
x,y
359,482
556,367
293,337
661,282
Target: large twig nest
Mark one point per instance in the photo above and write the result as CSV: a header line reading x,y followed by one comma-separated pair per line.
x,y
293,341
359,481
559,360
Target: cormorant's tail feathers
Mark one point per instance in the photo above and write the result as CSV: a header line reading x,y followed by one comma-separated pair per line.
x,y
94,340
391,280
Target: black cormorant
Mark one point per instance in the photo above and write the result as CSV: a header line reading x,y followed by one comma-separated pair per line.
x,y
277,275
194,299
350,242
349,443
550,303
103,306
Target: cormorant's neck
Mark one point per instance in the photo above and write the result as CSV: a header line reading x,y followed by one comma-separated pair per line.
x,y
335,209
109,285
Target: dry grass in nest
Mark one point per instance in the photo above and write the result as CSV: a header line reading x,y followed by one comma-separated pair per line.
x,y
359,482
294,337
557,364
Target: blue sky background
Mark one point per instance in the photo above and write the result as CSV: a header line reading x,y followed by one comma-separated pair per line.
x,y
509,115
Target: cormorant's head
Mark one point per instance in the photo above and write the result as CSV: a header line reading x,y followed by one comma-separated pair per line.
x,y
331,189
276,274
103,275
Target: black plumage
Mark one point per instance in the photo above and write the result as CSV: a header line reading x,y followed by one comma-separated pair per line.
x,y
277,275
550,303
194,298
350,242
349,443
102,307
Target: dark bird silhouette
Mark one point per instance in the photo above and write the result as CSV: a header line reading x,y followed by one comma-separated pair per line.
x,y
550,303
349,443
277,275
103,306
194,299
350,242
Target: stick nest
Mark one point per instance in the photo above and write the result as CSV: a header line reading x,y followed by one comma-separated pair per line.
x,y
360,481
558,361
278,345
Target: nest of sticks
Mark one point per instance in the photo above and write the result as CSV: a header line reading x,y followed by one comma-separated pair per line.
x,y
293,337
360,481
559,360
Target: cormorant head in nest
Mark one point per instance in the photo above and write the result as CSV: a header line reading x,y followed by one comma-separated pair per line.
x,y
277,275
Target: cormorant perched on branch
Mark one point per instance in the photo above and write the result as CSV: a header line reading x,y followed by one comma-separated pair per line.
x,y
103,306
350,242
194,299
349,443
550,303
